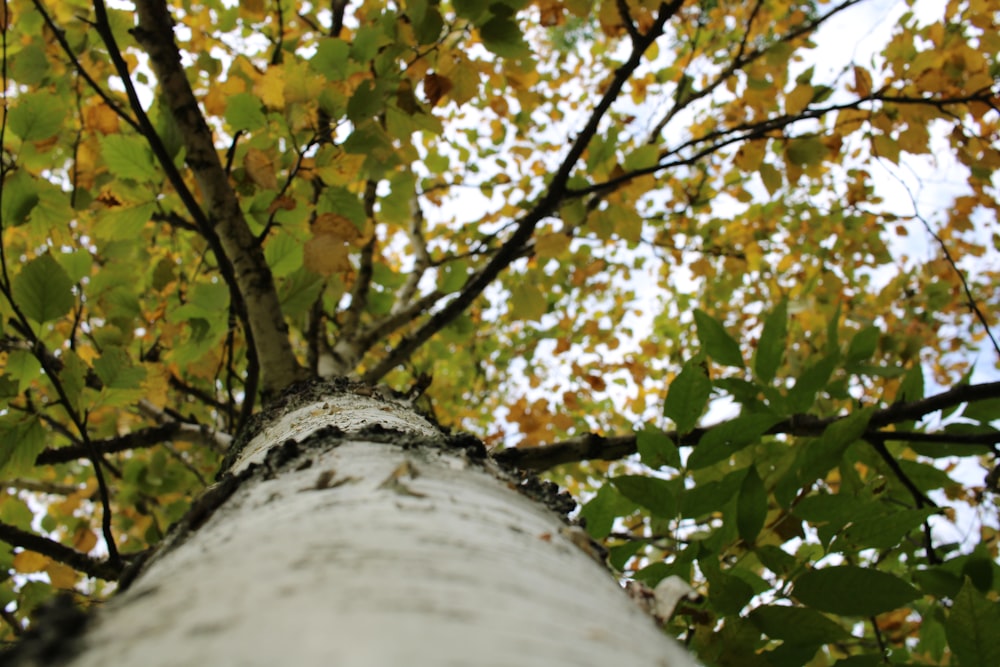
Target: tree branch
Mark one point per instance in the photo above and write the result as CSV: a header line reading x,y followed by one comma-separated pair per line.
x,y
224,224
611,448
556,191
102,569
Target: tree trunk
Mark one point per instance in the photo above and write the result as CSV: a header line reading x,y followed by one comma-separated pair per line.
x,y
353,532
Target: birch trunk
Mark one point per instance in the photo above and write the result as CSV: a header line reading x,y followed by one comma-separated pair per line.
x,y
357,534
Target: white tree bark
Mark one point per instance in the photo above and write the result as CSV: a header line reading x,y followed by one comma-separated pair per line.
x,y
373,551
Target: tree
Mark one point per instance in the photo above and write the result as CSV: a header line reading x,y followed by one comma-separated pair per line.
x,y
581,228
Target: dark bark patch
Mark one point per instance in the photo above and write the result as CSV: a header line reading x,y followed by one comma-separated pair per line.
x,y
51,639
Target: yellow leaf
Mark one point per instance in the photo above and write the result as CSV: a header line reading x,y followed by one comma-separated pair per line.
x,y
750,155
336,226
798,99
260,168
84,539
270,88
551,245
156,385
527,302
61,576
862,81
325,254
27,562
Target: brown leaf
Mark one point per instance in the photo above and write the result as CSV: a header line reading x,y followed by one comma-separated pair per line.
x,y
436,86
260,168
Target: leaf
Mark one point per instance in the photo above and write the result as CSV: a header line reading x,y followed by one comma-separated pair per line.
x,y
453,276
751,506
849,590
656,449
716,341
825,452
122,222
802,395
797,625
601,511
116,370
20,196
863,345
805,152
654,494
27,562
882,532
37,115
972,627
528,302
332,58
42,290
244,111
503,36
283,254
688,396
129,157
773,340
725,439
22,439
260,168
862,81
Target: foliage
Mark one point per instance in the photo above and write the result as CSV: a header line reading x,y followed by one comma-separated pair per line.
x,y
586,222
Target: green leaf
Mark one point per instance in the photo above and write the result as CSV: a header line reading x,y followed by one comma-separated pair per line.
x,y
709,497
716,341
42,290
37,115
122,222
722,441
116,370
849,590
73,376
727,594
129,157
502,36
23,367
643,157
751,506
20,196
771,177
882,532
814,378
244,111
21,441
656,495
283,253
773,340
528,302
30,65
797,625
863,345
453,277
656,448
973,628
601,511
804,152
332,58
825,453
688,396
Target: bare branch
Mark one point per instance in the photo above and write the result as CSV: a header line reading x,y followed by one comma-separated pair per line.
x,y
596,447
102,569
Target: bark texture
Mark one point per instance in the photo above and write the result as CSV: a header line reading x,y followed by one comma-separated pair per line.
x,y
360,535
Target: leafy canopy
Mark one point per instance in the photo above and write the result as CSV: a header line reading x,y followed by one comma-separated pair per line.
x,y
678,254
